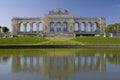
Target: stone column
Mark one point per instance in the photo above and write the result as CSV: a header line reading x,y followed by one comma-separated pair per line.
x,y
15,28
62,27
79,27
37,27
91,27
55,27
48,28
25,28
85,28
68,28
98,29
102,28
18,27
31,28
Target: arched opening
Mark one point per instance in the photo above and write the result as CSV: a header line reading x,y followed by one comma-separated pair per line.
x,y
51,26
34,28
76,26
95,27
65,26
28,27
83,27
58,26
40,27
89,26
21,27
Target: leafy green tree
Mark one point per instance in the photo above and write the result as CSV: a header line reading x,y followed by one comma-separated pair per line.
x,y
112,27
5,29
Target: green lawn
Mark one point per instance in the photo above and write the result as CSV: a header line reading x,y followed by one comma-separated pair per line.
x,y
58,40
23,40
97,40
58,51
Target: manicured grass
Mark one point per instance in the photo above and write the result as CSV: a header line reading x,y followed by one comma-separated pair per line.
x,y
23,40
59,40
67,42
97,40
58,51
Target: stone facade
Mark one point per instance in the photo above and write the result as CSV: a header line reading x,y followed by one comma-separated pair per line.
x,y
56,23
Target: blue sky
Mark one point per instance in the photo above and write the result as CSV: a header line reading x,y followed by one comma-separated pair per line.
x,y
110,9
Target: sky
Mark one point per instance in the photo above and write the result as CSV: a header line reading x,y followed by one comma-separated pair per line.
x,y
110,9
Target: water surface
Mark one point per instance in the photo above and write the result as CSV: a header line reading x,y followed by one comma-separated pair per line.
x,y
59,64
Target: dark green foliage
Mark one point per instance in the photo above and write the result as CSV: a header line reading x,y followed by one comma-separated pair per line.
x,y
5,29
112,27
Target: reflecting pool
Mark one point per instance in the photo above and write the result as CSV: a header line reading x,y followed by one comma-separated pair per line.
x,y
59,64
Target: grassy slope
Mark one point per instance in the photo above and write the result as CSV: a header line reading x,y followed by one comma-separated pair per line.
x,y
23,40
97,40
59,40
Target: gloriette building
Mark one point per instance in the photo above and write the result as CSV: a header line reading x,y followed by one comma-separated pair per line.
x,y
58,23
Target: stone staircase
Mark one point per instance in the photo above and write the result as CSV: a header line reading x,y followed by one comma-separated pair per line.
x,y
59,34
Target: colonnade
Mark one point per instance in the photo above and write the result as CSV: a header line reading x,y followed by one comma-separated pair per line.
x,y
30,28
57,27
69,62
89,27
27,64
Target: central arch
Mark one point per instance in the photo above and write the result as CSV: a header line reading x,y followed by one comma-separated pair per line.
x,y
58,26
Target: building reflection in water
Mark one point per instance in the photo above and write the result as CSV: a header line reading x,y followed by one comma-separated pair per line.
x,y
4,58
114,58
57,66
26,63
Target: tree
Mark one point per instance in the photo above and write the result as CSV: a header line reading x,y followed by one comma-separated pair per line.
x,y
112,27
5,29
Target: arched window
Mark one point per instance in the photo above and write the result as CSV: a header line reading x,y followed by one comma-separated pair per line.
x,y
28,27
83,27
58,26
76,26
52,27
65,26
95,27
34,28
89,26
40,27
21,27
